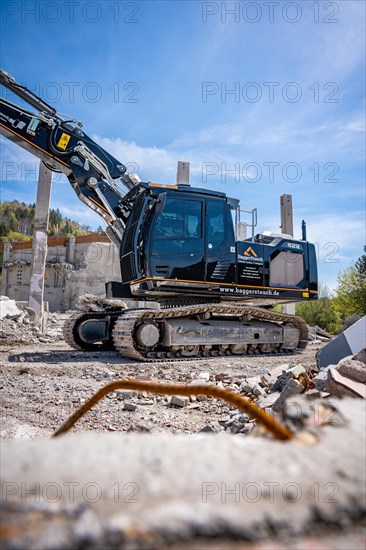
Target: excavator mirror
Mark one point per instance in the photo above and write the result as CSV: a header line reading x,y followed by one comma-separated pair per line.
x,y
160,204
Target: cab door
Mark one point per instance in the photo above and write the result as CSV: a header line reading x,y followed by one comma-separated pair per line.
x,y
176,241
220,250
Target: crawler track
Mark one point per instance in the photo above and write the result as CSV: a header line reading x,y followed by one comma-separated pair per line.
x,y
123,333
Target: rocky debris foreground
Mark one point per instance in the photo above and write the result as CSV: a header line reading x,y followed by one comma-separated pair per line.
x,y
271,389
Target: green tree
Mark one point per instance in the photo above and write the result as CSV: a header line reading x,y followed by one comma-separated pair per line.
x,y
360,265
16,222
350,294
321,312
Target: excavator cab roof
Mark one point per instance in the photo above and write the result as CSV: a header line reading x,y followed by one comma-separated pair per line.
x,y
185,187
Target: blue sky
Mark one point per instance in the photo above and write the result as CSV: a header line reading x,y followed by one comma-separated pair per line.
x,y
263,98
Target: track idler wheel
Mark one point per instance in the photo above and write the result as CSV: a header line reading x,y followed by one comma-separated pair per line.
x,y
89,334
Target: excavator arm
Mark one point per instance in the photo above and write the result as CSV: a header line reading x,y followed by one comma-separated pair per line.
x,y
64,147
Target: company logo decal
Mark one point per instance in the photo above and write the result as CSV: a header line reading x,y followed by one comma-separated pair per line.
x,y
250,252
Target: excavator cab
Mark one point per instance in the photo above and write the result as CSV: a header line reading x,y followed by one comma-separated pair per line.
x,y
183,241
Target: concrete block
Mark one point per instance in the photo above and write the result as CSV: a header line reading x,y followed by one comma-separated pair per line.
x,y
352,369
292,388
350,342
129,406
340,385
297,370
211,427
277,371
258,391
179,400
146,491
269,400
320,379
8,308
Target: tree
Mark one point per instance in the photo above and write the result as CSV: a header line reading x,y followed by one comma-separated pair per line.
x,y
16,222
350,294
321,312
360,265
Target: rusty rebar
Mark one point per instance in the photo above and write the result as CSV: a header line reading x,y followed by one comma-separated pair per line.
x,y
271,424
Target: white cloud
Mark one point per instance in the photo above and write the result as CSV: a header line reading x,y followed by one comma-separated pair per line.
x,y
155,162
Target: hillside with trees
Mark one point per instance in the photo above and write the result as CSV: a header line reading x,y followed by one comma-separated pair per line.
x,y
16,223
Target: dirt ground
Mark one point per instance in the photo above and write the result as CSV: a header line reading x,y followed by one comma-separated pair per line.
x,y
43,383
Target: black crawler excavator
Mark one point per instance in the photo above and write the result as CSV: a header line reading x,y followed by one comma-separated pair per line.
x,y
191,284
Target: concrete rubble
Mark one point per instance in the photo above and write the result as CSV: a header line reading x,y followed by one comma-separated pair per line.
x,y
18,324
317,334
140,491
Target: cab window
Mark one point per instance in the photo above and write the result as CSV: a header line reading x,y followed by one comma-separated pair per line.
x,y
178,229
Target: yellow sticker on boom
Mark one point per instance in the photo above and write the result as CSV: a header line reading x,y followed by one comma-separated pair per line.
x,y
63,141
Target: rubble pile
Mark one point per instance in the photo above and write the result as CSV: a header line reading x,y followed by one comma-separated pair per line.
x,y
272,391
317,334
91,302
18,326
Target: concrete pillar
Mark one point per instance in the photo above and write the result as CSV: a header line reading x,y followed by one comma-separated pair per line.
x,y
4,279
289,309
70,250
182,172
287,227
36,285
287,223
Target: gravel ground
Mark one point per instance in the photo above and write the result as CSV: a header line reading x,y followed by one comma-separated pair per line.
x,y
43,383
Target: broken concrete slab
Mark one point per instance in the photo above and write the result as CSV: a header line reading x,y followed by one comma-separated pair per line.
x,y
248,384
349,342
340,385
292,388
277,371
352,369
360,356
8,308
142,491
211,427
321,378
179,400
297,370
258,391
269,400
